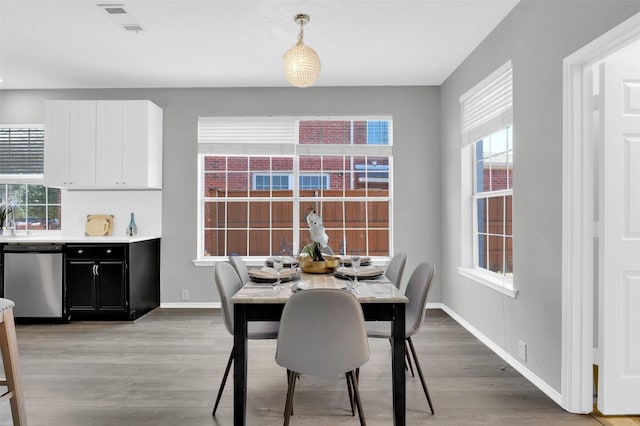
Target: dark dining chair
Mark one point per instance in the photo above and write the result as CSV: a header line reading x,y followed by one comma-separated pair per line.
x,y
416,291
228,284
322,332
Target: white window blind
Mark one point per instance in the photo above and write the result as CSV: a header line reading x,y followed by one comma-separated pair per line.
x,y
21,151
273,136
488,106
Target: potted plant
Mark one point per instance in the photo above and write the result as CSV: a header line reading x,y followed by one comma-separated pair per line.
x,y
3,216
312,260
6,208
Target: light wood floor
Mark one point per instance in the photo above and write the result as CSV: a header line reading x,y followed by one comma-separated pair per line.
x,y
165,369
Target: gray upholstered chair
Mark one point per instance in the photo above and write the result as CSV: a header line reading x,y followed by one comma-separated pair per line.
x,y
322,332
416,291
240,267
228,284
395,268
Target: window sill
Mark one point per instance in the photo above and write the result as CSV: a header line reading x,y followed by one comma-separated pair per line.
x,y
488,279
382,261
257,261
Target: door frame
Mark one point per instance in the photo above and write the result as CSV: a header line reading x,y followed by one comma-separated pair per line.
x,y
578,227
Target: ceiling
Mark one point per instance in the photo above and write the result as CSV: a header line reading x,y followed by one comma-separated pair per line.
x,y
239,43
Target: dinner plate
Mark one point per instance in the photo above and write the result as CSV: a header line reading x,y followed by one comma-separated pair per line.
x,y
364,261
286,264
267,280
306,285
367,273
269,276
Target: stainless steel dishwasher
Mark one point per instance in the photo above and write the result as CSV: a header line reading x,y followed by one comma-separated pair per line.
x,y
33,279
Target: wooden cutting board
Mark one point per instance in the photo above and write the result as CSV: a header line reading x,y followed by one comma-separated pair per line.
x,y
98,225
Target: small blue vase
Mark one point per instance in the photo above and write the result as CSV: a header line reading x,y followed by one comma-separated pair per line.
x,y
132,229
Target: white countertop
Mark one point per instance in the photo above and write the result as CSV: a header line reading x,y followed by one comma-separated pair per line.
x,y
36,238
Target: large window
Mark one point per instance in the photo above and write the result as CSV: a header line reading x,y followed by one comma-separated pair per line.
x,y
487,152
257,184
37,207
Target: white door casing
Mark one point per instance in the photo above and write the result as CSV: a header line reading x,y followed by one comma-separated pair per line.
x,y
619,242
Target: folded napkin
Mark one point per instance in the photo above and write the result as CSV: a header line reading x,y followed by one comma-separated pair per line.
x,y
370,271
270,273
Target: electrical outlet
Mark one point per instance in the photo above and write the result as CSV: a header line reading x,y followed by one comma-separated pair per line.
x,y
522,350
185,294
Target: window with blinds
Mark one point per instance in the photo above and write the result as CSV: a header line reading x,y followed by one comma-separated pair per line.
x,y
21,151
258,178
36,207
487,143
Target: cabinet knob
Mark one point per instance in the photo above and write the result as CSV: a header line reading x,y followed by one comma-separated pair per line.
x,y
108,251
80,251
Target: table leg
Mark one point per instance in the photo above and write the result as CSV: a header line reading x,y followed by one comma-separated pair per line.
x,y
240,366
397,364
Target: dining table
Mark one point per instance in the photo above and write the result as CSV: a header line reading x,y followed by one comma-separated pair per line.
x,y
380,301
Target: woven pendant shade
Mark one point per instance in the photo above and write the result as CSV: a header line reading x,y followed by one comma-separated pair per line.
x,y
301,63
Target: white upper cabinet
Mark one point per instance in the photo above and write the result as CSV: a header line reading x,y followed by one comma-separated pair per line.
x,y
70,139
103,144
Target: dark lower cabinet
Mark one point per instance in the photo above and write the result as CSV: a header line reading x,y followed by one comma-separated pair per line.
x,y
112,281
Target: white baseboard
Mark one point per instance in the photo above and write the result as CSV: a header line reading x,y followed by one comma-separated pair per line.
x,y
513,362
187,305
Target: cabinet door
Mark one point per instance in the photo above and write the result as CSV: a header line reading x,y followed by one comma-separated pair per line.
x,y
135,147
111,285
56,143
109,144
82,144
81,285
70,138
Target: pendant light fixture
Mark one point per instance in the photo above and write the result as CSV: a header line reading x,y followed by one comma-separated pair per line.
x,y
301,63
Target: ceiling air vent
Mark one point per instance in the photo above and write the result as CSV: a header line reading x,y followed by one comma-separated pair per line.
x,y
120,16
135,28
114,10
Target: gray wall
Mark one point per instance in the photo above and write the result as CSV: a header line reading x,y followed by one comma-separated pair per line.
x,y
416,115
536,36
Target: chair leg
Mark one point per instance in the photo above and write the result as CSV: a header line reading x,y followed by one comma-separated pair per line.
x,y
289,404
224,381
351,400
356,392
289,373
408,359
9,349
417,362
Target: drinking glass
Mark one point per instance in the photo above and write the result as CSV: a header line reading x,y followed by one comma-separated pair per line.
x,y
277,265
355,264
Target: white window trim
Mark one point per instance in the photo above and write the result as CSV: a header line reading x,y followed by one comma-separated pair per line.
x,y
470,134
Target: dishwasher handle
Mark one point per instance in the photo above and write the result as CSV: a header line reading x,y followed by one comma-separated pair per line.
x,y
33,248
